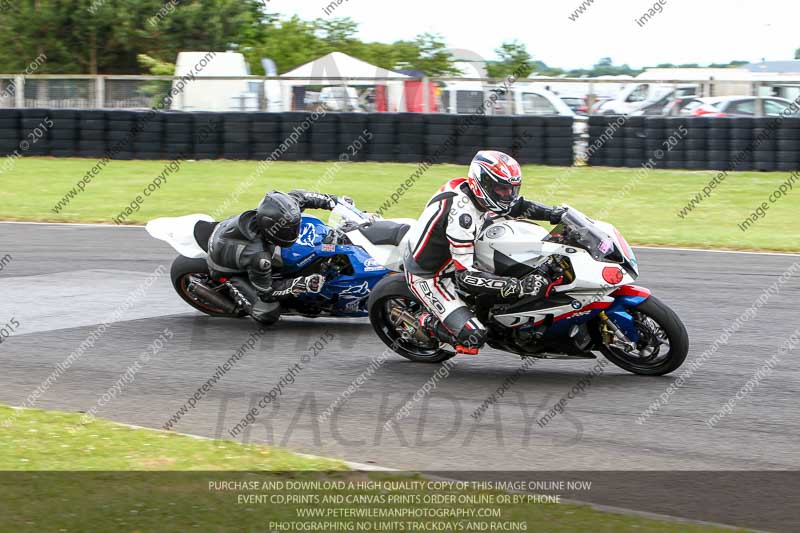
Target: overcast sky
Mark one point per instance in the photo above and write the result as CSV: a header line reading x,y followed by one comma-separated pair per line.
x,y
686,31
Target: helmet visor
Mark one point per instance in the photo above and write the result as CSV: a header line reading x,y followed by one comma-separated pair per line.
x,y
286,234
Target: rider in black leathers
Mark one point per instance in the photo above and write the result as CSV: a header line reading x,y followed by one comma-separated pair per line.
x,y
242,247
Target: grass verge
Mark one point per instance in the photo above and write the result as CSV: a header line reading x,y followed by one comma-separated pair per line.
x,y
645,209
61,474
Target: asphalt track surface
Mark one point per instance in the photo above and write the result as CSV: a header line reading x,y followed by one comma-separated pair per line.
x,y
63,280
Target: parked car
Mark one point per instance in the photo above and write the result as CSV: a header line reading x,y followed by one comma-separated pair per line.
x,y
737,106
576,103
645,98
682,106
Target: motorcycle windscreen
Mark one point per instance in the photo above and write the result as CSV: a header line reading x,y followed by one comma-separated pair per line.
x,y
584,234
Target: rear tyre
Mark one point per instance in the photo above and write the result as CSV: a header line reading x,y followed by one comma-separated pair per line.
x,y
659,327
186,271
392,306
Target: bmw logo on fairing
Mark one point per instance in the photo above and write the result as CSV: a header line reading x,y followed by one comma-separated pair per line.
x,y
576,304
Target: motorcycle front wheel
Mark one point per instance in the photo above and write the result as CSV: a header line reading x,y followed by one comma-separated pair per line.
x,y
663,341
393,310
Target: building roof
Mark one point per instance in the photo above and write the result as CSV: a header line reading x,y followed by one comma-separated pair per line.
x,y
775,67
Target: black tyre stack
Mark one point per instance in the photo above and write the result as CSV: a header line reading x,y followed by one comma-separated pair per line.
x,y
236,135
325,138
383,143
207,139
121,134
740,143
613,149
470,130
351,139
410,137
695,140
92,134
675,142
441,139
528,141
149,141
9,131
718,154
765,143
558,141
655,135
35,132
633,134
295,133
787,143
265,135
500,135
178,135
595,148
63,132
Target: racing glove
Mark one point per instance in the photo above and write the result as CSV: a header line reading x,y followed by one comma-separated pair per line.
x,y
532,285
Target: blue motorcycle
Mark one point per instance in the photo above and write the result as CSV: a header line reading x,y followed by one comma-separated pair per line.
x,y
350,272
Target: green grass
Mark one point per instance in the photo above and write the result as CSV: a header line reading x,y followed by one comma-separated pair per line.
x,y
98,480
647,214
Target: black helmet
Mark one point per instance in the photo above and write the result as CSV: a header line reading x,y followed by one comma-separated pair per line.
x,y
278,218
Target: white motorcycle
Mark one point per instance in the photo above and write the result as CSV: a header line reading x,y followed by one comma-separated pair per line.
x,y
595,309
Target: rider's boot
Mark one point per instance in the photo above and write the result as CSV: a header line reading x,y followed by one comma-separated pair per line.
x,y
435,329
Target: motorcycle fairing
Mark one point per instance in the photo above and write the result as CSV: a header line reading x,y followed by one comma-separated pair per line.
x,y
347,292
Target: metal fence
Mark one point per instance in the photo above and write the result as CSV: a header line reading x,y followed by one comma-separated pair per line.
x,y
532,96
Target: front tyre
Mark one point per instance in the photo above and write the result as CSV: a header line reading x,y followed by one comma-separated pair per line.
x,y
663,341
393,310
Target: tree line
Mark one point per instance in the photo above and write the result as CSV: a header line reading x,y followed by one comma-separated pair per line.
x,y
145,36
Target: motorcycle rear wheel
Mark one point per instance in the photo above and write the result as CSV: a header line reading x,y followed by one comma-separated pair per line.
x,y
658,325
185,271
392,296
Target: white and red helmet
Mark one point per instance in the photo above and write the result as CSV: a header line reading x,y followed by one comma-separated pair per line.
x,y
495,180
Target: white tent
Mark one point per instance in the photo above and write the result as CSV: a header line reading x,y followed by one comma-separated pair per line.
x,y
339,65
326,69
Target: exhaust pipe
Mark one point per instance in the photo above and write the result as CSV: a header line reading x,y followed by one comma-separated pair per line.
x,y
398,315
212,297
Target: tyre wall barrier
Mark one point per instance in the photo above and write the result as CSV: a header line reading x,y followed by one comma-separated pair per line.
x,y
290,136
695,143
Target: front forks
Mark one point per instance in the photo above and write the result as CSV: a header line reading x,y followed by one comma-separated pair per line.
x,y
610,331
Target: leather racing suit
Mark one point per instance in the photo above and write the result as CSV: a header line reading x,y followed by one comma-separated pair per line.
x,y
440,257
236,250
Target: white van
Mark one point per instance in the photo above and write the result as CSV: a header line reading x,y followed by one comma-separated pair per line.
x,y
204,93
